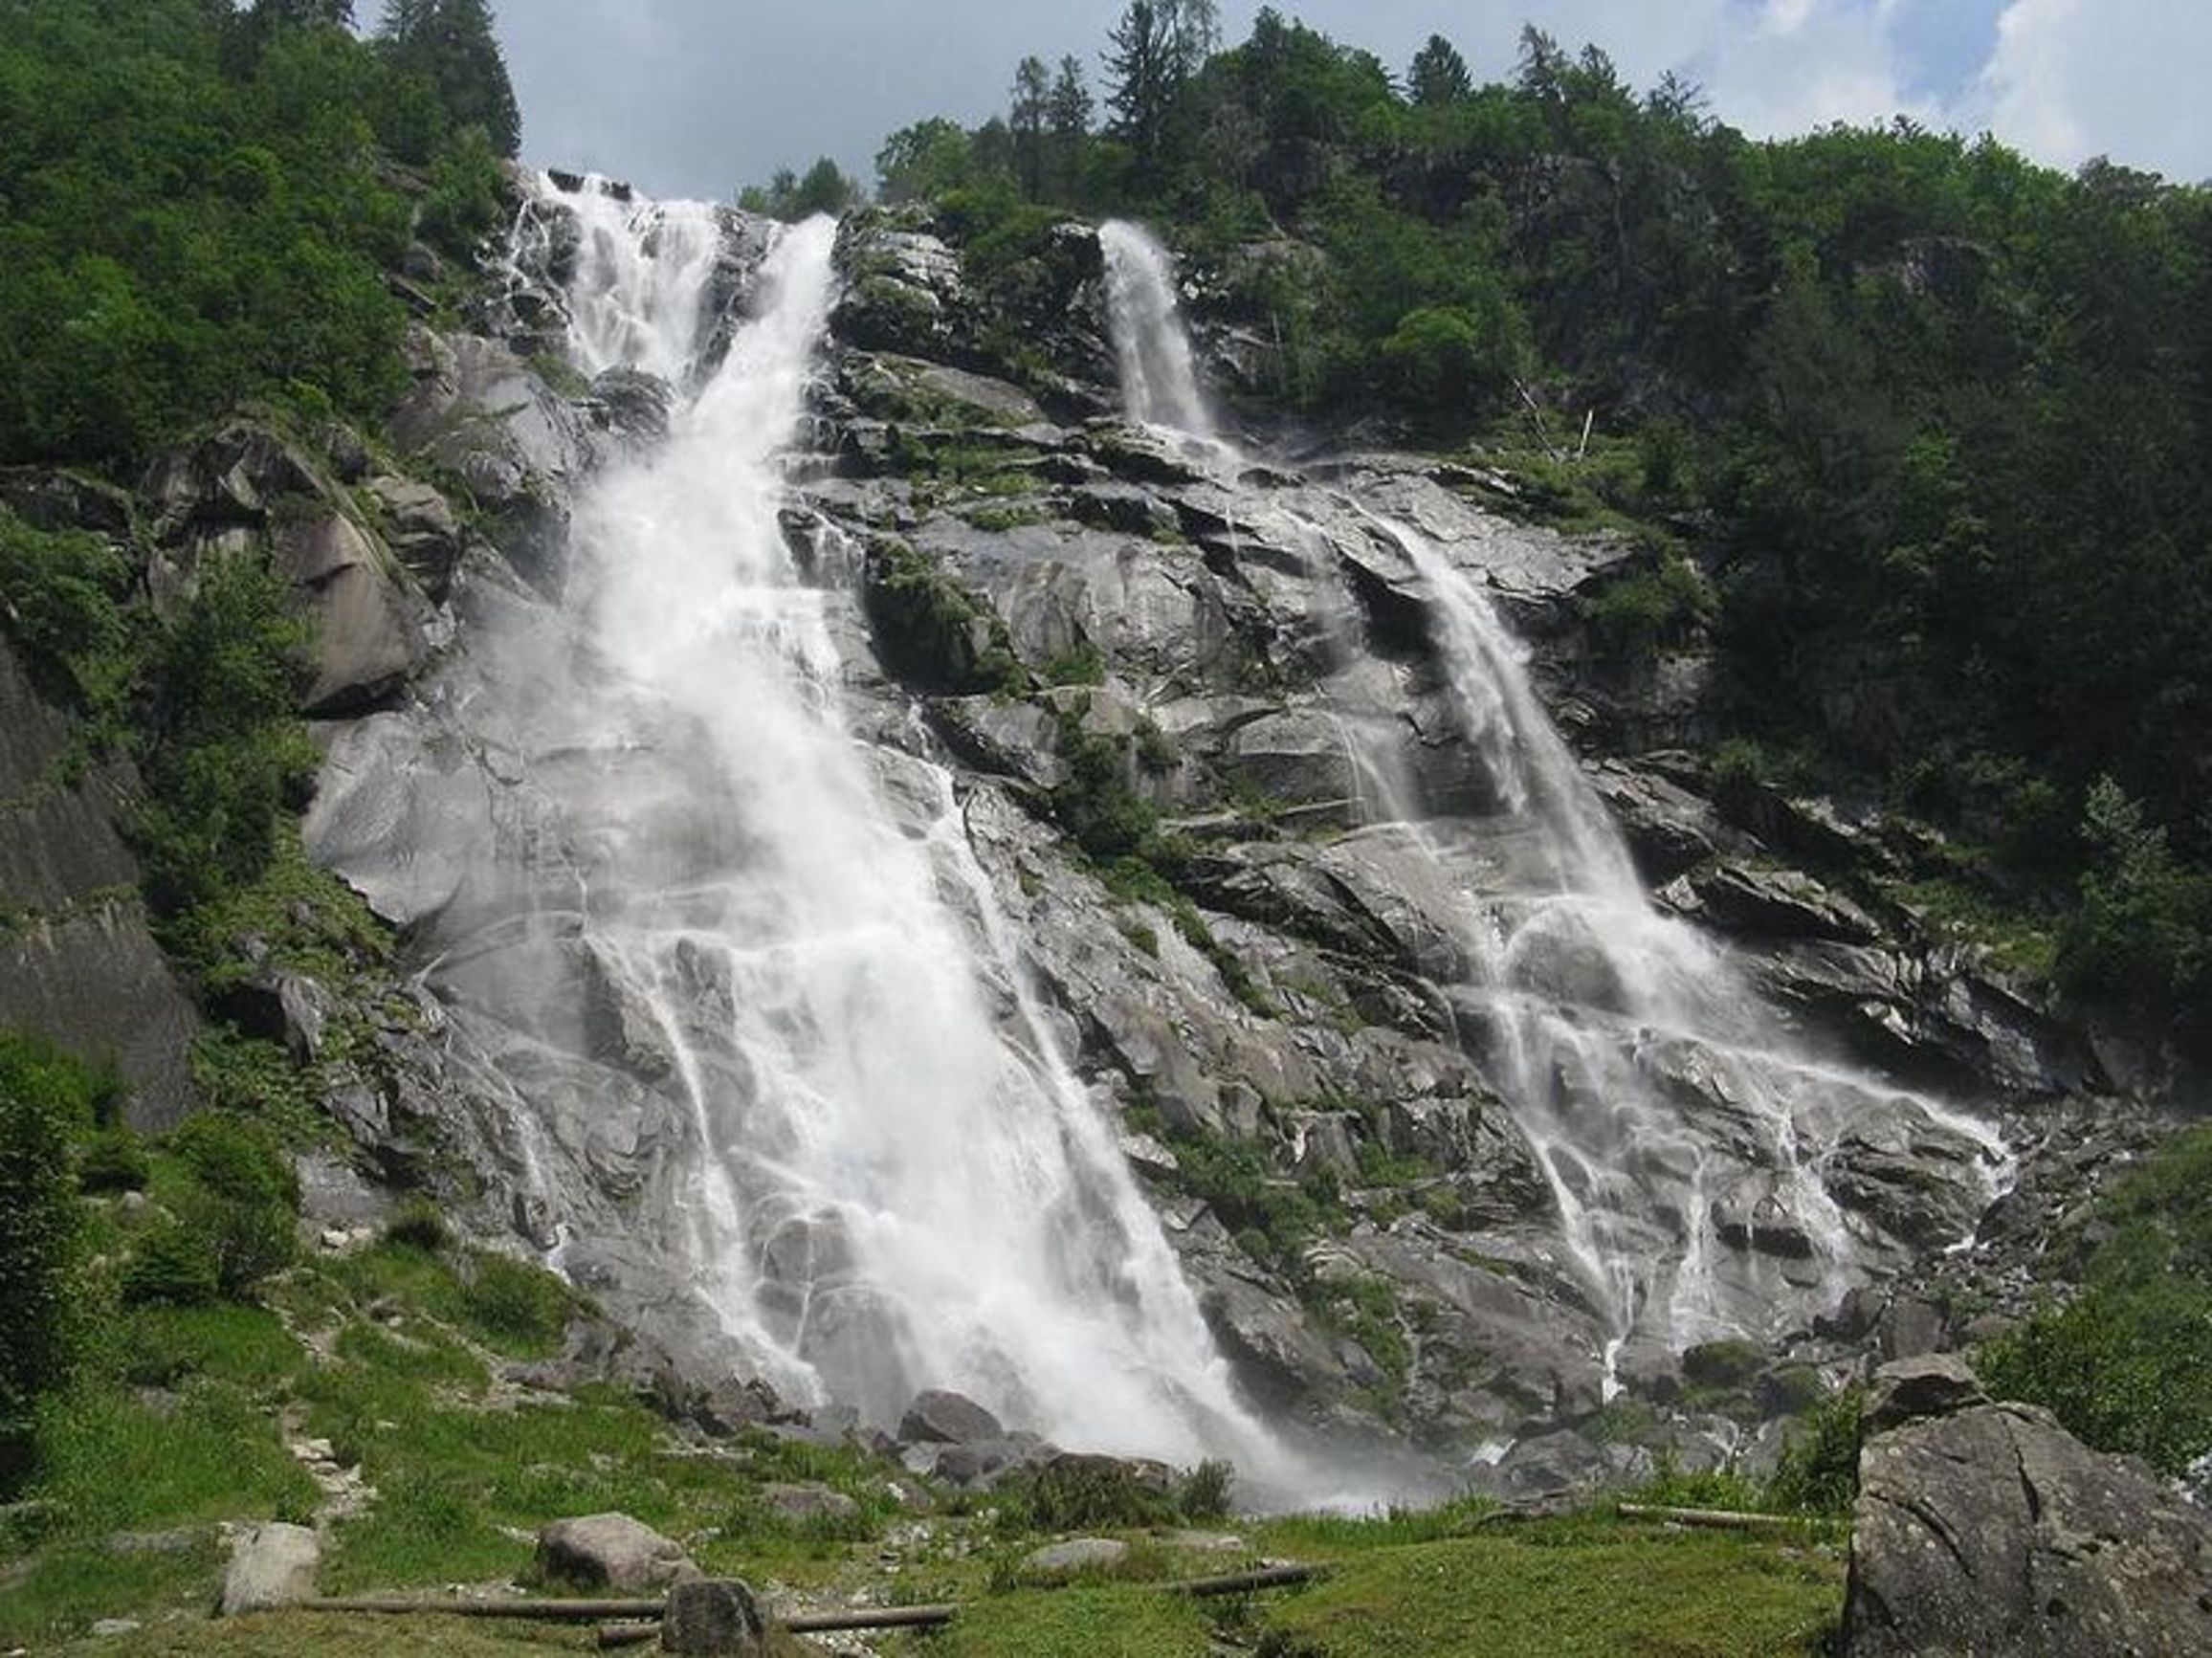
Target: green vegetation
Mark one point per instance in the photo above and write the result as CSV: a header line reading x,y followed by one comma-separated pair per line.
x,y
1568,1590
824,189
2127,1362
194,214
46,1102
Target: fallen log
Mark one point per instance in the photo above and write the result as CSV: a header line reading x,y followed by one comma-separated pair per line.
x,y
869,1618
1242,1583
1717,1519
536,1611
614,1636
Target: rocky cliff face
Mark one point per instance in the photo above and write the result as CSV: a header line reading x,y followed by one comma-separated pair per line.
x,y
77,963
1168,697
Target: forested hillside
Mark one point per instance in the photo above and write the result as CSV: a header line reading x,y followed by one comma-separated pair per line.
x,y
208,215
1928,423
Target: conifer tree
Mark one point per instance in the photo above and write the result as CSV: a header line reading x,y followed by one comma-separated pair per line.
x,y
1033,97
1067,115
1439,75
453,45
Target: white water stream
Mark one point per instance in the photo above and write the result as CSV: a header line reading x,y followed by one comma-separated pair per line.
x,y
1657,1091
888,1188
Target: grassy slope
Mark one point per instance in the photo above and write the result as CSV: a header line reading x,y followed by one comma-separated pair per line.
x,y
391,1355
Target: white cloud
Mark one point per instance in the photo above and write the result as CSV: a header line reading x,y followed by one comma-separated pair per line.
x,y
2073,79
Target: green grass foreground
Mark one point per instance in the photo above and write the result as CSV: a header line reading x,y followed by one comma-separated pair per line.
x,y
393,1354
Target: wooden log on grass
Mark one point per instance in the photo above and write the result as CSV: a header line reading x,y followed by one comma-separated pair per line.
x,y
1715,1519
870,1618
614,1636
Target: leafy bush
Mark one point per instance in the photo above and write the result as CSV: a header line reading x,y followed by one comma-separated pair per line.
x,y
1819,1470
1204,1494
2127,1365
62,601
516,1305
244,1207
418,1224
174,1265
2144,927
113,1160
1075,1494
1655,607
45,1099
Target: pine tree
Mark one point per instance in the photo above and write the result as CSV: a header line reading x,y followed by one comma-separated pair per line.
x,y
1439,75
1033,97
453,45
1194,30
1067,115
1142,64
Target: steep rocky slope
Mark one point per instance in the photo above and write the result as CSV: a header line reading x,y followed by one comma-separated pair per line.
x,y
1141,670
1194,717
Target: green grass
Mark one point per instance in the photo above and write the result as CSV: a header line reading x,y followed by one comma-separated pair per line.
x,y
1576,1595
67,1588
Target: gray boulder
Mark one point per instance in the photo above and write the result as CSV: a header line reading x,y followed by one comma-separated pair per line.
x,y
368,628
809,1502
1075,1555
610,1552
1911,1389
1995,1531
939,1416
714,1618
271,1566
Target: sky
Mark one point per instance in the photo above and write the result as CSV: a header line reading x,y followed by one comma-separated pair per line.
x,y
700,97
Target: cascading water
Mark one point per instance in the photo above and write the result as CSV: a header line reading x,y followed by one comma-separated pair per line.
x,y
885,1189
1158,379
1662,1102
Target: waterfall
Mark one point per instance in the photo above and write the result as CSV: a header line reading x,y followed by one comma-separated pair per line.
x,y
1661,1100
1656,1091
1152,350
891,1178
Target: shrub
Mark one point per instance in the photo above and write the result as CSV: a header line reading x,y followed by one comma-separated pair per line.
x,y
113,1160
2127,1365
514,1304
418,1224
1819,1470
62,601
245,1205
1659,606
44,1096
175,1265
1205,1491
1075,1493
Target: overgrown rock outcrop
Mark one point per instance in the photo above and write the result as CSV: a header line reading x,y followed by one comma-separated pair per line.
x,y
78,963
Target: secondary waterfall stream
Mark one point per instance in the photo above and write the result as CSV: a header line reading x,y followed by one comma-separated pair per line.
x,y
1676,1121
890,1178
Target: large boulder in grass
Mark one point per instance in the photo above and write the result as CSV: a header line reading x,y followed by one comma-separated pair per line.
x,y
715,1618
609,1552
1992,1530
941,1417
271,1566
